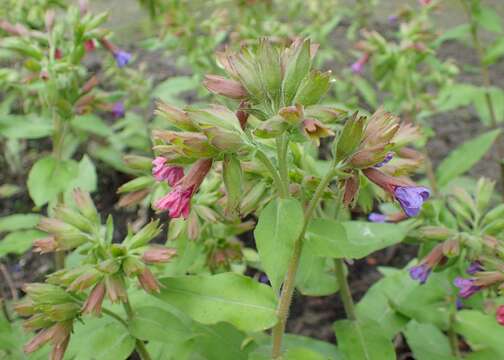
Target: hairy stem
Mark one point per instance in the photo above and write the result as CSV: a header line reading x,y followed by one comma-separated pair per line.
x,y
274,173
452,335
344,289
283,168
290,278
139,344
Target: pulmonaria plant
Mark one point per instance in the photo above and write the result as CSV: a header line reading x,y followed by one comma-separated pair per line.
x,y
104,272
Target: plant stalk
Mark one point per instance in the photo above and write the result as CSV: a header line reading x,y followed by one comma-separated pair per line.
x,y
344,289
290,278
274,173
139,344
452,335
283,168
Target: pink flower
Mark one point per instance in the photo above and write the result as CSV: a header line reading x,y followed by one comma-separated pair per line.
x,y
358,66
425,2
158,254
147,281
500,315
161,171
94,301
89,45
177,202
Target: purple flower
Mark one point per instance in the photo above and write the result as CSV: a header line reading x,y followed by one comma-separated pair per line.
x,y
411,198
420,272
458,304
377,217
474,267
392,19
387,158
466,286
122,58
264,279
358,66
118,110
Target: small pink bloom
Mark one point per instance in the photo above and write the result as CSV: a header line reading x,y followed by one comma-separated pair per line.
x,y
158,254
161,171
177,202
222,86
89,45
358,66
147,281
45,245
94,301
500,315
58,54
425,2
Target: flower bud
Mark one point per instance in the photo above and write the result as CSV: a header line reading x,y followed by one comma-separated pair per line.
x,y
435,233
138,184
73,218
25,307
133,198
175,116
193,226
93,304
148,282
144,236
86,280
116,290
37,321
292,114
232,176
314,130
109,266
132,266
85,205
158,254
42,293
350,137
271,128
221,86
61,312
137,162
451,248
45,245
188,144
351,188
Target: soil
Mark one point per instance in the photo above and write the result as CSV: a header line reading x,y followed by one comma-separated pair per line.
x,y
310,316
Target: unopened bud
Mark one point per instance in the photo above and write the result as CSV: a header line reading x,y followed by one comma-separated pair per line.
x,y
292,114
271,128
73,218
133,198
138,162
158,254
148,282
252,198
93,304
435,233
144,236
132,266
175,116
85,281
45,245
140,183
116,290
225,87
351,188
85,205
451,248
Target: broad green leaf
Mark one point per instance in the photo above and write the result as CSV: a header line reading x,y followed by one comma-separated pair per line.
x,y
170,89
315,276
19,242
481,104
154,324
230,297
92,124
49,177
494,51
25,127
299,353
460,33
220,342
363,341
455,96
86,176
18,222
279,226
376,304
362,238
480,330
464,157
100,338
489,19
427,342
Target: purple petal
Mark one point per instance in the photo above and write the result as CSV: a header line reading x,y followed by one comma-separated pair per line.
x,y
122,58
458,304
474,267
420,273
387,158
377,217
411,198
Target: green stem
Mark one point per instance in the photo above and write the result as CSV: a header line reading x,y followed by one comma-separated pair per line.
x,y
288,285
283,166
274,173
452,335
344,289
115,316
139,344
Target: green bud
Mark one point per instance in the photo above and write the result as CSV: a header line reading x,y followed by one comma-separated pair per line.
x,y
175,116
484,191
85,281
73,218
292,114
298,63
271,128
137,162
133,266
252,198
144,236
140,183
313,88
232,175
61,312
494,214
37,321
225,140
109,266
66,276
435,233
326,114
42,293
350,137
118,250
86,205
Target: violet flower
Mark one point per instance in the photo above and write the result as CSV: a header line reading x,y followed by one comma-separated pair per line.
x,y
420,272
392,19
177,202
162,171
387,158
377,217
411,198
466,286
474,267
118,110
358,66
122,58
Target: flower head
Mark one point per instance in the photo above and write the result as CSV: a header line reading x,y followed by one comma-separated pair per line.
x,y
499,315
161,171
358,66
89,45
466,286
474,267
420,272
94,301
411,198
122,58
177,202
377,217
118,110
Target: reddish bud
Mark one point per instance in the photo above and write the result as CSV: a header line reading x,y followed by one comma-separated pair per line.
x,y
158,254
148,282
45,245
94,301
225,87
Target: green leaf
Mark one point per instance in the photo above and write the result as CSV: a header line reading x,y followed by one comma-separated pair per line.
x,y
326,237
494,52
427,342
279,226
464,157
480,103
489,19
211,341
49,177
91,124
363,341
86,176
170,89
154,324
480,330
100,338
25,127
460,33
18,222
19,242
315,276
366,91
230,297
